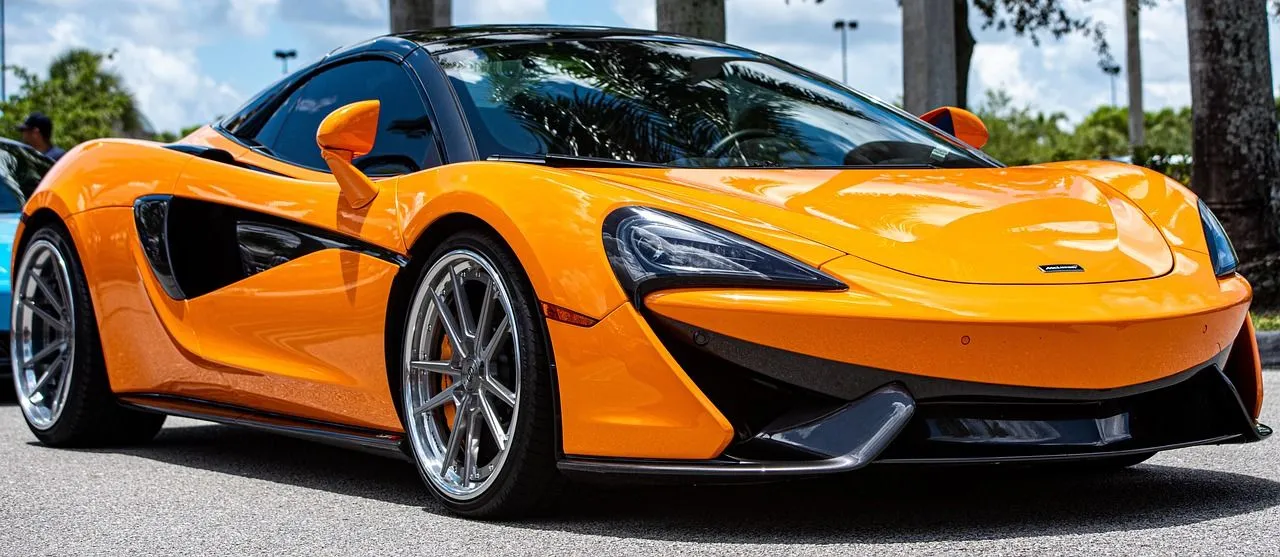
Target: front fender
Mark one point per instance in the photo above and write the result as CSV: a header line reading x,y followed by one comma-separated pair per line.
x,y
552,220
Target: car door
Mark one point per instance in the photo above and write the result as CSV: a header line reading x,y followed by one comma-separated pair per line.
x,y
287,283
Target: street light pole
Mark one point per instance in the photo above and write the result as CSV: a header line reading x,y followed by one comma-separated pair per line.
x,y
844,26
4,37
284,56
1112,69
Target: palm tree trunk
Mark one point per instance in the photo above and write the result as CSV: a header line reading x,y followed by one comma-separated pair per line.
x,y
964,52
1236,168
929,57
408,15
1133,51
699,18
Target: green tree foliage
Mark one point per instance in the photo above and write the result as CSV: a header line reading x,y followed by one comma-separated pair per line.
x,y
84,99
1021,135
170,137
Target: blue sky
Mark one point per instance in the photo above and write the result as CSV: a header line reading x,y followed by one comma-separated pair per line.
x,y
190,60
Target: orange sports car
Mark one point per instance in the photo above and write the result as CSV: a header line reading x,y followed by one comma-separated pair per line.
x,y
515,255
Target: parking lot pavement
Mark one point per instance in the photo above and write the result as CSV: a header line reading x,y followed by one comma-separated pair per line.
x,y
203,489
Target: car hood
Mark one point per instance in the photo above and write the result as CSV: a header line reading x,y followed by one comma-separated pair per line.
x,y
1031,225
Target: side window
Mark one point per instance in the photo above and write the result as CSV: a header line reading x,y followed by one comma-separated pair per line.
x,y
405,142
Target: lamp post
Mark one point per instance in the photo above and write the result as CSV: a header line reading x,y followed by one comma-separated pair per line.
x,y
844,26
1112,69
3,47
284,56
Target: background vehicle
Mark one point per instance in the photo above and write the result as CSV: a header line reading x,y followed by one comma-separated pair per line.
x,y
513,254
21,168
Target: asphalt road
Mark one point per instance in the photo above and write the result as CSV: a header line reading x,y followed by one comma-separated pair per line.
x,y
204,489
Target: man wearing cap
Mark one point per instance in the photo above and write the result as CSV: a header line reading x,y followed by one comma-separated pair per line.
x,y
37,131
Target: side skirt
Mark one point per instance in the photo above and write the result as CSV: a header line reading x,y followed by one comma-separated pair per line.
x,y
384,443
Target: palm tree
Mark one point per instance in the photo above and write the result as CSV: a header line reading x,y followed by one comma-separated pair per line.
x,y
698,18
408,15
1236,166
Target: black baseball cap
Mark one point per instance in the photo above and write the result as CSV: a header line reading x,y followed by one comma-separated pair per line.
x,y
37,121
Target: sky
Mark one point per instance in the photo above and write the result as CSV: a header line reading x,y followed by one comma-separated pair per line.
x,y
189,61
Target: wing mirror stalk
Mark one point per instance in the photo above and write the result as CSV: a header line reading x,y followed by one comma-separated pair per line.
x,y
345,134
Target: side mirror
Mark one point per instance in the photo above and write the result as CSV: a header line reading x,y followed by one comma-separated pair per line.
x,y
964,125
345,134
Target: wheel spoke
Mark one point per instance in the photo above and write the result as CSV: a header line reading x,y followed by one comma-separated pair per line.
x,y
437,366
450,326
45,352
499,390
496,341
495,427
44,315
460,300
48,374
473,445
455,439
437,401
486,308
54,300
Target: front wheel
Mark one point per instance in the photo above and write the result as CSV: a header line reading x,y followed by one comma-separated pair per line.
x,y
58,371
475,381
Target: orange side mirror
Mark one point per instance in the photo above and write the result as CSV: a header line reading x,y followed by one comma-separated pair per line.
x,y
964,125
345,134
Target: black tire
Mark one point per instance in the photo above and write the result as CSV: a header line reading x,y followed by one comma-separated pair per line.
x,y
528,481
91,414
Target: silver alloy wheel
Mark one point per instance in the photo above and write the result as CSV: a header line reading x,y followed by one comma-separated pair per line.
x,y
461,374
42,342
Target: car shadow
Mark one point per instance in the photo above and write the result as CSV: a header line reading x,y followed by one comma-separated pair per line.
x,y
903,505
878,505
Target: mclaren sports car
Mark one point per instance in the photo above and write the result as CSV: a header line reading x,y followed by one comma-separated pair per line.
x,y
520,255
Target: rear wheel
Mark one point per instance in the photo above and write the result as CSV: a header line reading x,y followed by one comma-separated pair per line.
x,y
475,381
58,372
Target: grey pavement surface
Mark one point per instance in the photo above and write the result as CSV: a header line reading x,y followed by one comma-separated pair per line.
x,y
203,489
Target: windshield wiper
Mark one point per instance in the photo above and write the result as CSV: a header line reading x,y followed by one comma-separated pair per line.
x,y
256,146
573,161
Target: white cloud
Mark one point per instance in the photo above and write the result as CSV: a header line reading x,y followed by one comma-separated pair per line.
x,y
154,41
500,11
251,16
638,14
159,77
999,66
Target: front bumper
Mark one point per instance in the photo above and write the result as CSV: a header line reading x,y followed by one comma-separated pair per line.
x,y
724,382
783,428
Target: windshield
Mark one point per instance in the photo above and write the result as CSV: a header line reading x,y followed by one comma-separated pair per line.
x,y
685,105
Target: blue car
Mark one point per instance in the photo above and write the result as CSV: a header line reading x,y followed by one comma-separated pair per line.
x,y
21,169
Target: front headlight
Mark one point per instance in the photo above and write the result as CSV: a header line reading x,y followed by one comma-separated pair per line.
x,y
651,249
1221,251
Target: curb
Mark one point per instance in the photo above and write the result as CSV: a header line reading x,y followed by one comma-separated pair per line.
x,y
1269,347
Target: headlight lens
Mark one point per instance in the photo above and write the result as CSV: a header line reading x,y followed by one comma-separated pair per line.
x,y
1221,251
651,249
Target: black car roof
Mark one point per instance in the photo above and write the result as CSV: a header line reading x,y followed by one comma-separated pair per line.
x,y
444,39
